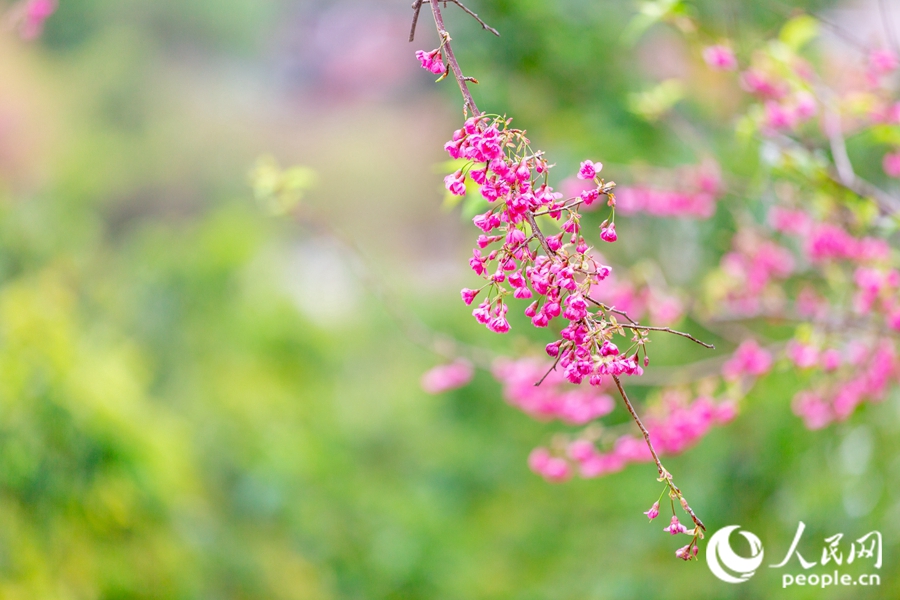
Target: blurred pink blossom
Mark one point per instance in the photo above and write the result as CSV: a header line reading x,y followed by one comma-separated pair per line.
x,y
720,57
447,377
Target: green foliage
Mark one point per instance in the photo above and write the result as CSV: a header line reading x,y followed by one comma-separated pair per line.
x,y
798,32
279,191
654,103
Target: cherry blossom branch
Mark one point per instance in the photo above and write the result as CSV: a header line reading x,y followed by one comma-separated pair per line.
x,y
634,325
471,14
461,79
664,475
529,216
859,186
417,8
667,330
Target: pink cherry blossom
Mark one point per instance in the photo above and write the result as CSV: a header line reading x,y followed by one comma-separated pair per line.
x,y
36,13
432,61
589,170
675,527
720,57
891,164
447,377
608,233
748,359
882,61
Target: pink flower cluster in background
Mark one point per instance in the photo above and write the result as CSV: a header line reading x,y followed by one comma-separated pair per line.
x,y
720,57
555,398
443,378
677,426
699,188
34,14
868,373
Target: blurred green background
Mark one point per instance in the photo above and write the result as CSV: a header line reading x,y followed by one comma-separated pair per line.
x,y
199,399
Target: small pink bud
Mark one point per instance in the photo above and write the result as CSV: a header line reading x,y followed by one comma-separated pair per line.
x,y
608,233
608,349
454,184
675,527
468,295
653,512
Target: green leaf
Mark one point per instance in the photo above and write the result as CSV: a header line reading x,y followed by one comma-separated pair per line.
x,y
279,191
886,134
799,31
657,101
649,14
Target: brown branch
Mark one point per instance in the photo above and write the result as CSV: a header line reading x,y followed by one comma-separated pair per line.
x,y
859,186
417,7
862,188
638,327
540,234
667,330
663,474
659,467
551,369
451,60
570,206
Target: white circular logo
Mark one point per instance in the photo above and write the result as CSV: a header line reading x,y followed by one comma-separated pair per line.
x,y
720,556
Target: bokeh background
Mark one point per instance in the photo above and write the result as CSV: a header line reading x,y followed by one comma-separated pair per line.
x,y
201,399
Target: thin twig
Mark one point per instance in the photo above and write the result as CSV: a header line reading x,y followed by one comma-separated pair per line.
x,y
667,330
551,369
640,424
561,208
638,327
540,234
859,186
416,6
451,60
862,188
663,474
611,309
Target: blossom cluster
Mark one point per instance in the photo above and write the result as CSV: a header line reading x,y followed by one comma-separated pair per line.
x,y
555,398
695,195
515,258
